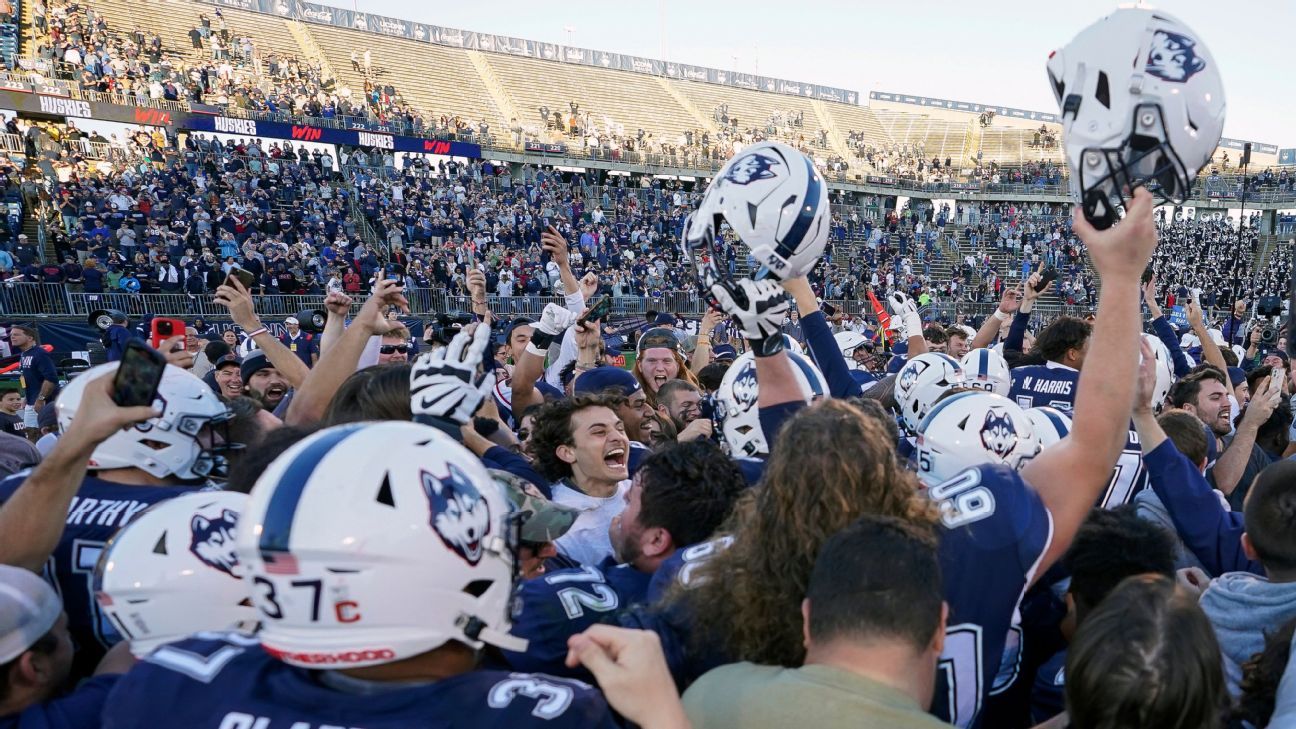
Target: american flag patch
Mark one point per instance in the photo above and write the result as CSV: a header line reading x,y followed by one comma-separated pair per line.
x,y
280,563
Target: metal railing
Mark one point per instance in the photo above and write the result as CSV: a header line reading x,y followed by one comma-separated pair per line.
x,y
53,301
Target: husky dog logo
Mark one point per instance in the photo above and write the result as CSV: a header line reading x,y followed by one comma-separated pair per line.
x,y
751,167
1173,57
212,540
460,516
745,389
908,376
998,434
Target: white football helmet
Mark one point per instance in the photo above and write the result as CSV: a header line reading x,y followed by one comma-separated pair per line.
x,y
848,342
1051,424
921,382
736,407
971,428
1141,102
775,201
173,571
368,543
1164,371
187,405
986,369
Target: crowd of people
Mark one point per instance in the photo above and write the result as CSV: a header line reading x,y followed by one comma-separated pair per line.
x,y
1029,507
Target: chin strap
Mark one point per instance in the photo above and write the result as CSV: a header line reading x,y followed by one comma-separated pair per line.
x,y
475,629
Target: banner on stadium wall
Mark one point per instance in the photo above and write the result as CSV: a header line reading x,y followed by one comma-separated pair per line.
x,y
325,135
492,43
963,106
1287,157
38,102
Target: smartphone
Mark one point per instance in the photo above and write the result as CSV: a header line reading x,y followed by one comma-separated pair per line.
x,y
247,278
1148,273
138,375
163,328
1047,278
601,307
1277,377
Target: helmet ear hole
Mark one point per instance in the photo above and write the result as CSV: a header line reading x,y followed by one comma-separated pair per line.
x,y
1102,92
477,588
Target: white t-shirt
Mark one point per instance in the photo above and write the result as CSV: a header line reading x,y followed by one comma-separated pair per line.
x,y
587,541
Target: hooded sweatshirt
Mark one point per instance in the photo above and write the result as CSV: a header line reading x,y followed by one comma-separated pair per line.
x,y
1242,607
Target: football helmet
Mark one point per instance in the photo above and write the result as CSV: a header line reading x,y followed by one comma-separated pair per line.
x,y
173,571
368,543
986,369
737,412
1142,103
971,428
1164,371
921,381
775,201
1051,424
187,405
848,343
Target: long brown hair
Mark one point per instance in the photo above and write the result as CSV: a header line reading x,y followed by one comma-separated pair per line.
x,y
684,374
831,464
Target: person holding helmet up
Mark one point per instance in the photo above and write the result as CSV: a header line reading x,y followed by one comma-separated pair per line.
x,y
171,452
382,559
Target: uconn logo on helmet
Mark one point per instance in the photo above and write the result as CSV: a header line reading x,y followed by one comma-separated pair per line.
x,y
1172,57
998,434
745,388
212,540
909,376
751,167
460,516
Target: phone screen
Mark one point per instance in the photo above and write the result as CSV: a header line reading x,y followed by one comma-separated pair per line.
x,y
138,375
599,311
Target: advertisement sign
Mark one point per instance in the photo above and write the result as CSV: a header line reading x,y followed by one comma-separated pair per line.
x,y
325,135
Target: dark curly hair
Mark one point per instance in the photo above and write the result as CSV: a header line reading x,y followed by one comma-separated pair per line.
x,y
552,427
1261,675
688,489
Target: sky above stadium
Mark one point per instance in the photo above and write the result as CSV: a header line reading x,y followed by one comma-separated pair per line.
x,y
989,52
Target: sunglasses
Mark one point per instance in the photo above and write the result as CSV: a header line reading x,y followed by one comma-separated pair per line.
x,y
393,348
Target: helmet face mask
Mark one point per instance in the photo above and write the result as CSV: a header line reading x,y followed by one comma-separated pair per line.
x,y
1153,122
187,441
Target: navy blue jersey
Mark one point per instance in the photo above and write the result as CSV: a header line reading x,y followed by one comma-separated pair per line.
x,y
1044,385
1129,476
1048,694
552,608
994,532
227,681
98,510
80,709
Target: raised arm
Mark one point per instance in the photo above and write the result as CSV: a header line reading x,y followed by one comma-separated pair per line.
x,y
338,306
233,296
1211,353
1071,475
32,520
1009,304
1232,463
823,347
339,362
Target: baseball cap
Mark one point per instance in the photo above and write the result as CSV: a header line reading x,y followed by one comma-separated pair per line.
x,y
601,379
725,352
254,362
542,519
291,320
664,319
1236,376
225,359
658,338
29,607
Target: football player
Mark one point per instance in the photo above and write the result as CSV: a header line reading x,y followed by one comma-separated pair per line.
x,y
381,558
677,498
169,454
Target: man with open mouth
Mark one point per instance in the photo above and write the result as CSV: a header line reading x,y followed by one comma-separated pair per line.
x,y
262,381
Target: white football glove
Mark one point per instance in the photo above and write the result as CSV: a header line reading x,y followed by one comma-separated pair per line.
x,y
904,309
758,308
445,384
555,319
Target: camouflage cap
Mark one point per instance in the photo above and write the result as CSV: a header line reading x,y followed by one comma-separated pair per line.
x,y
545,521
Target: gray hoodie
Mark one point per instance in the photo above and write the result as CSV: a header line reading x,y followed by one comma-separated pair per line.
x,y
1242,607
